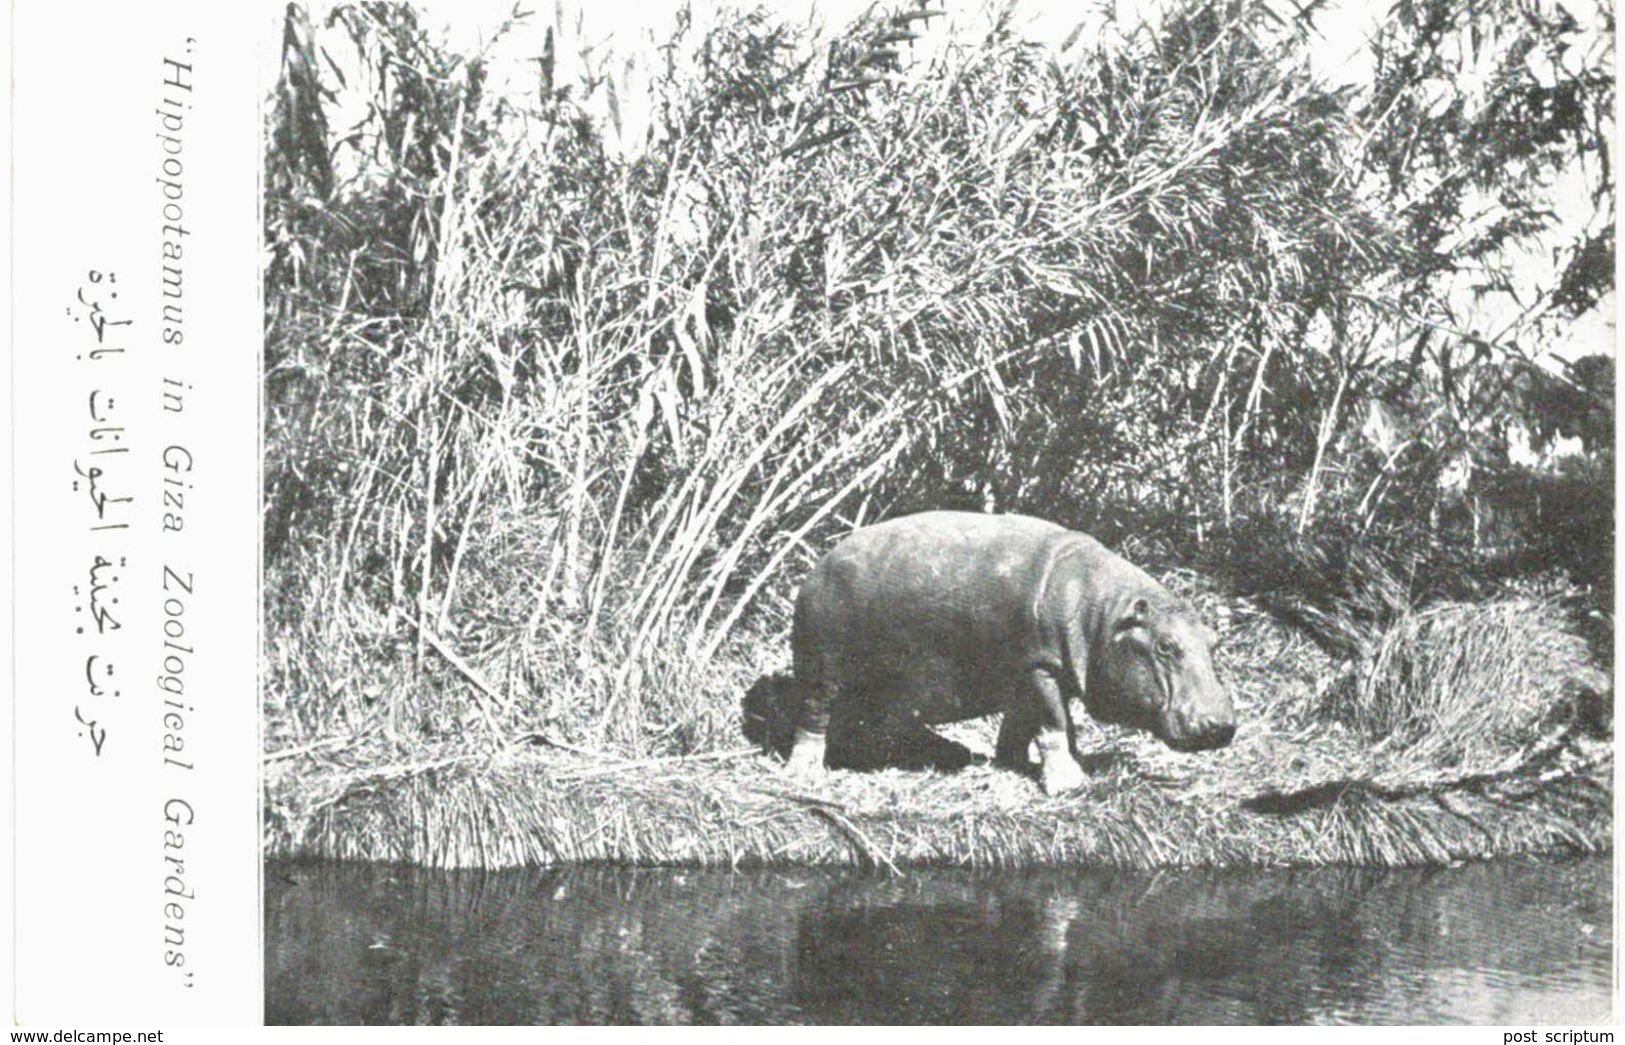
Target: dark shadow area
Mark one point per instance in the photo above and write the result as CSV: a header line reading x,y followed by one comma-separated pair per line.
x,y
768,715
862,747
1282,803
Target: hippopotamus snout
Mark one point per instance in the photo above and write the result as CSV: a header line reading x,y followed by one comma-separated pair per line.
x,y
1208,718
1206,738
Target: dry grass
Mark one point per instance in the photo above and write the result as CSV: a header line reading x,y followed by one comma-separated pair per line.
x,y
1251,806
1455,685
1299,786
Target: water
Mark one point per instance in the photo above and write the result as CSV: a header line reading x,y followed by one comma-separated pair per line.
x,y
1510,942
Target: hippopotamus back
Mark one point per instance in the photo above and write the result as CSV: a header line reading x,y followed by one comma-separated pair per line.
x,y
941,609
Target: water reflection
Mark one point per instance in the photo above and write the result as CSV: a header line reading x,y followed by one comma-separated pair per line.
x,y
1509,942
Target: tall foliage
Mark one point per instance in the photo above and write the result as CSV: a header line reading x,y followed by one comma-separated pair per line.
x,y
1488,132
588,410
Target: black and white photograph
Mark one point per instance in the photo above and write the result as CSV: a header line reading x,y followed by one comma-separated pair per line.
x,y
923,512
880,512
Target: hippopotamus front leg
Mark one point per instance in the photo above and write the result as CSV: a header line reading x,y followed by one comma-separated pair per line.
x,y
1059,770
1017,730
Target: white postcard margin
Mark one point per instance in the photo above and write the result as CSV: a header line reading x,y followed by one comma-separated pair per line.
x,y
136,348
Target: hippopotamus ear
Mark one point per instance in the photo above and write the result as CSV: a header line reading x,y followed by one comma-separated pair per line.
x,y
1138,616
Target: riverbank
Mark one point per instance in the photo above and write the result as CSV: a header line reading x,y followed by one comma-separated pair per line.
x,y
1240,808
1469,732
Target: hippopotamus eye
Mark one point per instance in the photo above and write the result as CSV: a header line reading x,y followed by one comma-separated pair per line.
x,y
1167,650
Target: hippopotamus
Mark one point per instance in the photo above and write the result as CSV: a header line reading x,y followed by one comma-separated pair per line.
x,y
943,616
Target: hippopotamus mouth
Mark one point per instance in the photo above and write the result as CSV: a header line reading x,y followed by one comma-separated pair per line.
x,y
1214,737
1178,735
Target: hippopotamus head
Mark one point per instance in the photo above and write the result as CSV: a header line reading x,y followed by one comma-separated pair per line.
x,y
1156,670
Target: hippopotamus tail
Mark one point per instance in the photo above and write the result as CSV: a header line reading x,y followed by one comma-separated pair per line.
x,y
770,711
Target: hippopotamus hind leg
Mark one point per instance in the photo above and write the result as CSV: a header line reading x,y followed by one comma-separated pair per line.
x,y
822,698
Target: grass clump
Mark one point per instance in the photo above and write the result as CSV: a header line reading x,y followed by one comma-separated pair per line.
x,y
1461,685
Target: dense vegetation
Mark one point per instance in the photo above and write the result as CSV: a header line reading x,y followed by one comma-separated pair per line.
x,y
556,422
